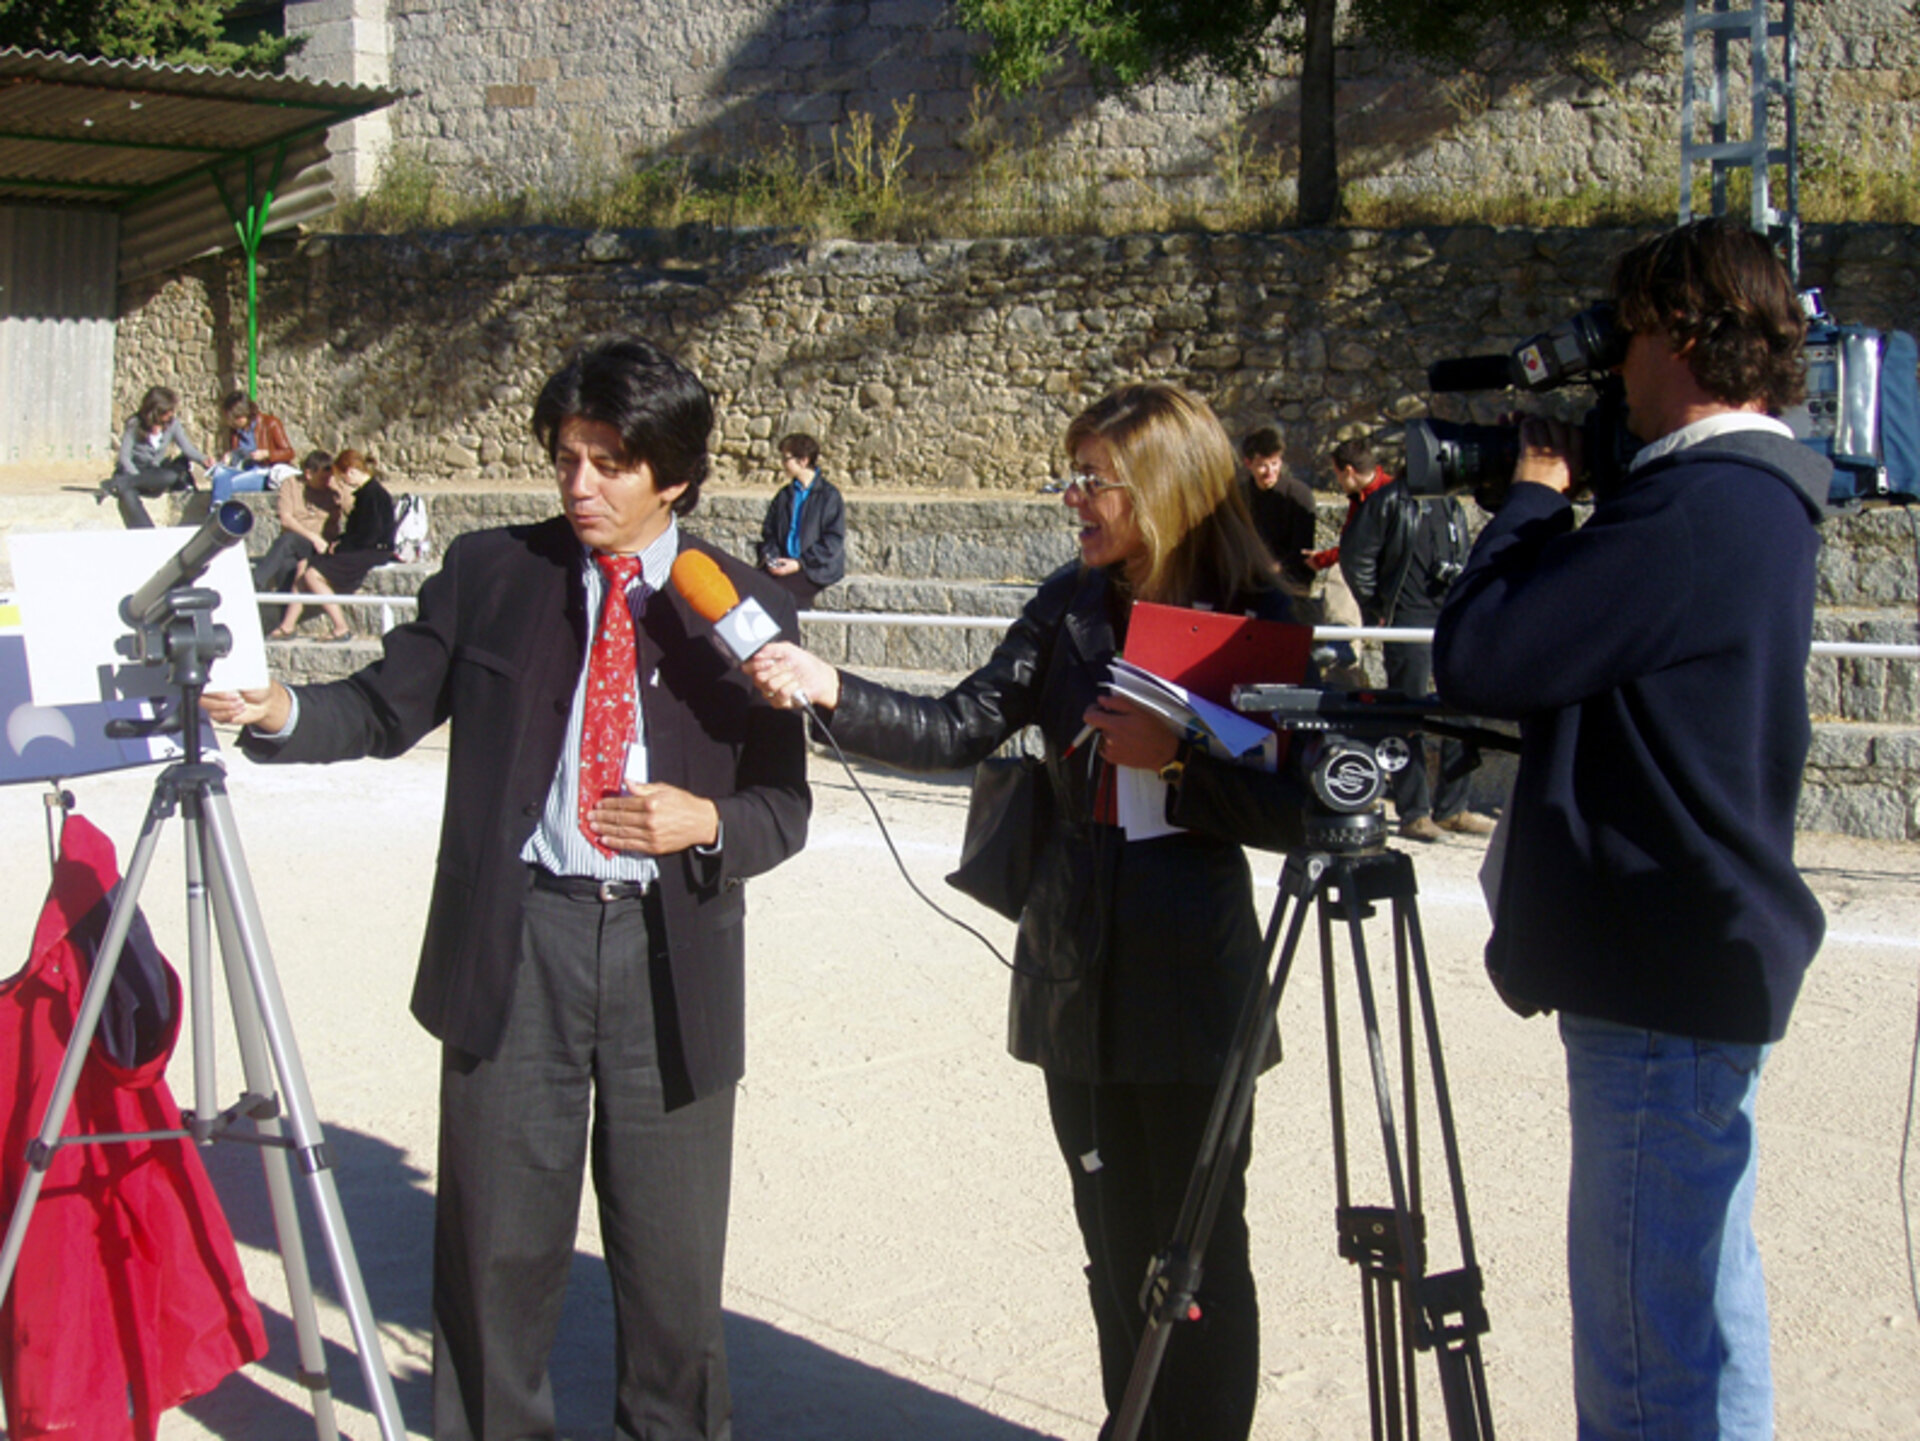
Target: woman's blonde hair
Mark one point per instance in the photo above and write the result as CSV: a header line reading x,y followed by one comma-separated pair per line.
x,y
1177,464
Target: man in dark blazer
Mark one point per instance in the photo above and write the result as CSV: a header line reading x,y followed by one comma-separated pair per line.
x,y
583,960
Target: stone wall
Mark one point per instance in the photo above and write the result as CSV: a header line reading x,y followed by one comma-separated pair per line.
x,y
941,366
550,95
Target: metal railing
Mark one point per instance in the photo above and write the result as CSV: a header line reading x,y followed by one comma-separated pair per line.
x,y
1389,635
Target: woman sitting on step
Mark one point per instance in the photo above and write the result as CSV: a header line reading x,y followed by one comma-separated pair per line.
x,y
258,455
145,467
366,540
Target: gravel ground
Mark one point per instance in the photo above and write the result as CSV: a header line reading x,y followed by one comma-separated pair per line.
x,y
903,1264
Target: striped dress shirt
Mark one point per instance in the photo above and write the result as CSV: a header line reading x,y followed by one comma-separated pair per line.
x,y
557,844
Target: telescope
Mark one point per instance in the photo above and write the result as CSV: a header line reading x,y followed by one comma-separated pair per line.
x,y
225,524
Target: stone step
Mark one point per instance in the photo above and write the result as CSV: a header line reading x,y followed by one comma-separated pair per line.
x,y
1863,780
888,595
1857,688
997,540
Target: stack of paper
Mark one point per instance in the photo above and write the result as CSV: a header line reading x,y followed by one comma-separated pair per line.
x,y
1181,665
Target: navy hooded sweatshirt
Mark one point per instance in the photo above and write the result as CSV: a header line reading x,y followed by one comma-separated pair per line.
x,y
1656,661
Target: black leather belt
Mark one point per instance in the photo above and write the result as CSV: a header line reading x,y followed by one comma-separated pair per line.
x,y
585,888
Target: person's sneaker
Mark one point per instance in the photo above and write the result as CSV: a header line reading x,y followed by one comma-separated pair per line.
x,y
1420,828
1468,823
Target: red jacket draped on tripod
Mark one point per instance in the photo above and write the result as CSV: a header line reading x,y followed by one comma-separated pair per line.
x,y
128,1297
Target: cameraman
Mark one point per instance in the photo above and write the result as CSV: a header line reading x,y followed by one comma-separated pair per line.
x,y
1400,553
1655,659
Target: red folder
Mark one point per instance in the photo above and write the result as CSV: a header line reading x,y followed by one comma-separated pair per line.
x,y
1210,653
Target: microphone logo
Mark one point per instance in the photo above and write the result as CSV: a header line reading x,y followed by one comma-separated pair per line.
x,y
740,627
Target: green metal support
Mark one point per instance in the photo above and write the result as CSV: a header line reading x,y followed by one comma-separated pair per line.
x,y
250,222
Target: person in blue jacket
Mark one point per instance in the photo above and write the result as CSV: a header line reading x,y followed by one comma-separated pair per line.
x,y
1655,658
803,537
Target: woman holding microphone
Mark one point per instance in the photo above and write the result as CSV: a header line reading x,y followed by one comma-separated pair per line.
x,y
1134,957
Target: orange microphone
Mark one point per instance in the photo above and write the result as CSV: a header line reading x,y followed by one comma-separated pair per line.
x,y
740,627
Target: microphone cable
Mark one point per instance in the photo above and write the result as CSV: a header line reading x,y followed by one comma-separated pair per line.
x,y
899,862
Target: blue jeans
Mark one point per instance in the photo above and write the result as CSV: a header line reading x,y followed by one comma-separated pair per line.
x,y
229,480
1669,1305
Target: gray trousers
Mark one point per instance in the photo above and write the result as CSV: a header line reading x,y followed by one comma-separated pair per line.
x,y
578,1076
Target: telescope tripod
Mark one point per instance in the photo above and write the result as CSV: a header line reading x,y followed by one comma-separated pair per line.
x,y
1405,1309
219,887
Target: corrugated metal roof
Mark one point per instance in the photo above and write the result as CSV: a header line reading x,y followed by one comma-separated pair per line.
x,y
146,139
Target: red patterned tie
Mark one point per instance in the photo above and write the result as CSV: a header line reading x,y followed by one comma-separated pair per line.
x,y
606,725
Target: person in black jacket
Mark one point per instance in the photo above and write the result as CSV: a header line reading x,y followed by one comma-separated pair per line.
x,y
803,537
1283,507
1399,554
1656,661
1133,956
612,783
1287,517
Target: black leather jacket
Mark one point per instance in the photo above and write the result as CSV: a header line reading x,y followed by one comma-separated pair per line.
x,y
1133,957
1378,550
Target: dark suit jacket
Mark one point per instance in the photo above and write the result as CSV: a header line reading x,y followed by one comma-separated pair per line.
x,y
497,649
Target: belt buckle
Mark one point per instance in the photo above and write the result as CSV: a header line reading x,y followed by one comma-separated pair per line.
x,y
611,891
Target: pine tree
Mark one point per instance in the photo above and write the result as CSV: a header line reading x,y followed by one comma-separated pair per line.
x,y
179,32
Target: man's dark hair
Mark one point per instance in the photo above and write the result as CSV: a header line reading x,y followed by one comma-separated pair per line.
x,y
1717,285
801,447
1355,455
661,410
1262,442
316,460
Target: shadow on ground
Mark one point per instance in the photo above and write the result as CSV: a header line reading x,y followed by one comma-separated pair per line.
x,y
785,1388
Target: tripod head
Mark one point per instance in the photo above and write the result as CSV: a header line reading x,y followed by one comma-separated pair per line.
x,y
172,621
1353,744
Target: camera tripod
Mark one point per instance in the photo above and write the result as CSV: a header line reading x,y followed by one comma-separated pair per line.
x,y
218,886
1404,1308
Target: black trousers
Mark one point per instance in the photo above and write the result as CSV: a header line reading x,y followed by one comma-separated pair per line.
x,y
577,1077
1410,669
128,488
1129,1150
798,586
274,570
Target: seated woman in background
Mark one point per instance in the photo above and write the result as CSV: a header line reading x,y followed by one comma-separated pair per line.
x,y
256,443
366,540
144,466
309,524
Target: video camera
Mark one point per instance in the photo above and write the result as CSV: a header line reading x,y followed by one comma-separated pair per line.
x,y
1582,349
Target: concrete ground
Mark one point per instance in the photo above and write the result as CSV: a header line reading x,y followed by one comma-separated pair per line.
x,y
903,1263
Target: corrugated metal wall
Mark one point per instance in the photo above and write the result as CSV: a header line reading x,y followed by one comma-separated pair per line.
x,y
56,334
191,220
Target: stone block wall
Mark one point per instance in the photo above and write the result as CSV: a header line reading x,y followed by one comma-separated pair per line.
x,y
554,95
942,366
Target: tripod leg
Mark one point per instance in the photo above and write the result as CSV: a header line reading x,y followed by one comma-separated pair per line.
x,y
1462,1374
1403,1258
309,1143
257,1067
41,1153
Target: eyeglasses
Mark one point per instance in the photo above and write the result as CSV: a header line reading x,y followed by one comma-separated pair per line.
x,y
1090,485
